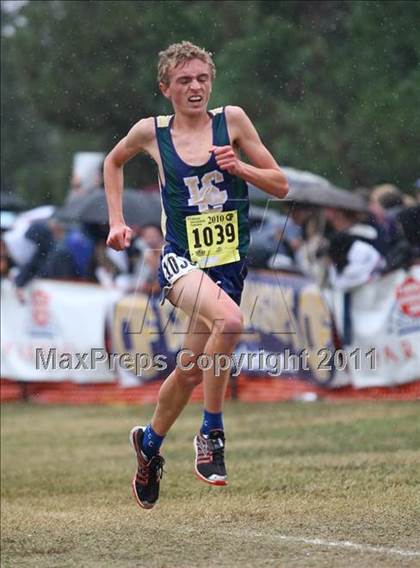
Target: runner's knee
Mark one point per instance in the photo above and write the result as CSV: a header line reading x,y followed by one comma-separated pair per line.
x,y
231,324
189,377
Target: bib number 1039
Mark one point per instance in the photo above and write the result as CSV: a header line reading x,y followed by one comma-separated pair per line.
x,y
213,238
217,235
175,266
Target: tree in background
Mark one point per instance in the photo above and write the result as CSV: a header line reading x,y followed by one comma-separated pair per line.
x,y
330,85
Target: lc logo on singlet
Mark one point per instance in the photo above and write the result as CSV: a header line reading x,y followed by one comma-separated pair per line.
x,y
208,194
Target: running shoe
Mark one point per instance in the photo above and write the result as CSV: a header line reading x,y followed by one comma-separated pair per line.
x,y
210,457
149,472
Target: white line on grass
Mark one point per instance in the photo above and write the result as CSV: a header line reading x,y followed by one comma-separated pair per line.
x,y
320,542
335,544
347,544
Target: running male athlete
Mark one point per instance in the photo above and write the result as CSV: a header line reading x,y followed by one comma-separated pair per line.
x,y
203,263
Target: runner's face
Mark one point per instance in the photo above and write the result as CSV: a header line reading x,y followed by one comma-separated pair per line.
x,y
189,87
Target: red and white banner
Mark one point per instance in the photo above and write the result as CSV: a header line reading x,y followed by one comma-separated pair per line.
x,y
59,333
383,318
40,338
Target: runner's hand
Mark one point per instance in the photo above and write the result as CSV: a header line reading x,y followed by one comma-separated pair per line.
x,y
119,237
227,159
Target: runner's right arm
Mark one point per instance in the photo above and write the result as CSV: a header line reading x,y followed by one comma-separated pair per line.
x,y
137,140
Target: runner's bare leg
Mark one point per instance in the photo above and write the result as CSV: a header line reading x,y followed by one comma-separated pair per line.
x,y
211,310
226,331
176,390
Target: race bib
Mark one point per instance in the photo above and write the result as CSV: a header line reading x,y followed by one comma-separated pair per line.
x,y
213,238
174,266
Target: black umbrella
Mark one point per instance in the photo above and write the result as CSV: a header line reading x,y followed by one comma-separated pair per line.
x,y
9,201
139,207
305,187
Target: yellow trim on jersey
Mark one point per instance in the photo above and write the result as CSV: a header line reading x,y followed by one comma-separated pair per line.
x,y
163,121
163,214
217,110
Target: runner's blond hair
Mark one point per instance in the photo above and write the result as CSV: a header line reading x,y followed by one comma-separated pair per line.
x,y
179,53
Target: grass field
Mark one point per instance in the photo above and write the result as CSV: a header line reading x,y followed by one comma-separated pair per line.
x,y
311,484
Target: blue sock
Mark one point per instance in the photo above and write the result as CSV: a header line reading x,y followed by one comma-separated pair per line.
x,y
151,442
211,421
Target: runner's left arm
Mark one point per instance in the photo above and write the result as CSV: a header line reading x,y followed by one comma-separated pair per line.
x,y
263,172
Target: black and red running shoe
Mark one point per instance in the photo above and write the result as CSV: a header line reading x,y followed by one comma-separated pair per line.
x,y
149,472
210,457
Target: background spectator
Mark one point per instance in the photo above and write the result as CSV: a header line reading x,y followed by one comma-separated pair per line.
x,y
354,257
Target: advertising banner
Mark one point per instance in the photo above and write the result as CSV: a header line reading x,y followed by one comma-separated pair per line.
x,y
57,334
288,333
60,332
381,321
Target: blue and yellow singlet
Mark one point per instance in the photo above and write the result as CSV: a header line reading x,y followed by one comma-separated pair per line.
x,y
204,209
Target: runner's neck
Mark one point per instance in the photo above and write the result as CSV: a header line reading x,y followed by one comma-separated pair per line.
x,y
188,123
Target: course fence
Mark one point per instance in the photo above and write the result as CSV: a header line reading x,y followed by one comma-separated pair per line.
x,y
85,343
